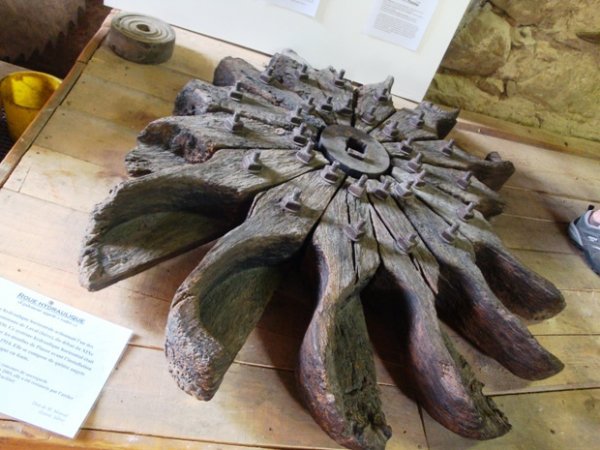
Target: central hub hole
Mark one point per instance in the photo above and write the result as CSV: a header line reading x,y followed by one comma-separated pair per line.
x,y
356,148
143,27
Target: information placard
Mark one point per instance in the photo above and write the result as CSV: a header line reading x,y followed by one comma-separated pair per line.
x,y
54,359
401,22
308,7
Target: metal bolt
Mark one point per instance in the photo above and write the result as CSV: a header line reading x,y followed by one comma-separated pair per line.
x,y
465,213
414,165
236,93
382,191
330,173
405,147
464,181
291,202
447,149
419,179
339,79
328,105
449,234
357,230
404,189
368,117
391,129
267,75
418,120
309,105
251,162
303,74
406,245
383,95
307,153
235,123
298,135
347,109
295,117
357,188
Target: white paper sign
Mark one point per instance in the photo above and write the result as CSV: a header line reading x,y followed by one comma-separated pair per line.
x,y
308,7
401,22
54,359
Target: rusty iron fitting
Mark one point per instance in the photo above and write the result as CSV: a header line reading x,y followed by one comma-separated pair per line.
x,y
330,173
449,234
356,231
465,181
251,162
357,189
291,202
407,244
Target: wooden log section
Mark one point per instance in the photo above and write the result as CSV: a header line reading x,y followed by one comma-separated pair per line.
x,y
219,303
468,305
147,220
492,171
198,97
178,140
336,372
520,289
443,382
487,201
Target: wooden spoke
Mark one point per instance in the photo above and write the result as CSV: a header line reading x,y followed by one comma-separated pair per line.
x,y
330,99
493,172
231,70
410,126
198,97
177,140
219,303
149,219
487,201
520,289
440,120
468,305
336,371
442,380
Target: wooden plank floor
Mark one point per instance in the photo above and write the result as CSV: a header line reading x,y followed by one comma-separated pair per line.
x,y
74,155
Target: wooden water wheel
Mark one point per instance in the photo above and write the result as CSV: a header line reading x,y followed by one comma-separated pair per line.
x,y
294,160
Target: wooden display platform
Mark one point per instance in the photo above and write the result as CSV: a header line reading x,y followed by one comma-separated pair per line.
x,y
73,154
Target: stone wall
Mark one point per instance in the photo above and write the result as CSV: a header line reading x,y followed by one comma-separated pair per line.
x,y
534,62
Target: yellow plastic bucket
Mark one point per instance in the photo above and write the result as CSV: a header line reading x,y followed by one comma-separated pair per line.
x,y
23,96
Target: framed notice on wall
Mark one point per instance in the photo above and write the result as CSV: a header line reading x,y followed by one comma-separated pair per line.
x,y
369,38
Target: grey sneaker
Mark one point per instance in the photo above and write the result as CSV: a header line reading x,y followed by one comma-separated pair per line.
x,y
587,237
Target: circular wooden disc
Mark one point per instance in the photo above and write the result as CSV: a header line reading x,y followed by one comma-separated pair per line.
x,y
357,152
141,39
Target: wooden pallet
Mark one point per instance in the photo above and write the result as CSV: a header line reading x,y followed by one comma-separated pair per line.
x,y
73,154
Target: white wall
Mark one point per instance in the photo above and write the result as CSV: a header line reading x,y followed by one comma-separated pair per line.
x,y
334,37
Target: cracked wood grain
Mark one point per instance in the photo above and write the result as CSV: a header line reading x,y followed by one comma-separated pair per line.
x,y
149,219
493,172
520,289
443,381
336,372
487,201
178,140
219,303
468,305
198,97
